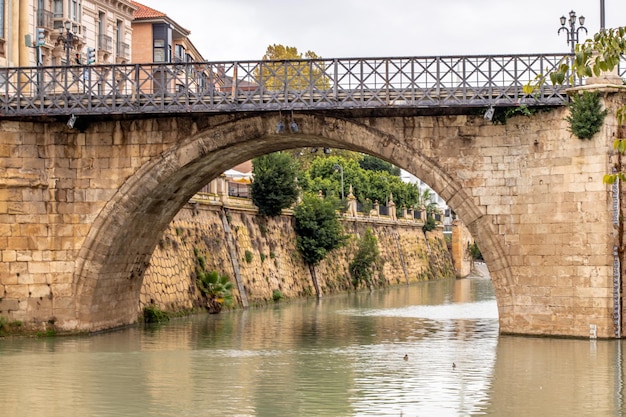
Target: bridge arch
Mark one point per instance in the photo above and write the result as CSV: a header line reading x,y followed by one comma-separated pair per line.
x,y
116,252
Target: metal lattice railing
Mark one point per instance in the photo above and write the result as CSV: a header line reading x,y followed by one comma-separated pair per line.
x,y
410,82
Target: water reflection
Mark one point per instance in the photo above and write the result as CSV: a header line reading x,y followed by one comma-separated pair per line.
x,y
342,356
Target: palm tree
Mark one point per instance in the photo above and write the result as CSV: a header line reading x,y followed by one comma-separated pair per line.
x,y
216,288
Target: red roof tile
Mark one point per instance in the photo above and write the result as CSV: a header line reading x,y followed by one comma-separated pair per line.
x,y
145,12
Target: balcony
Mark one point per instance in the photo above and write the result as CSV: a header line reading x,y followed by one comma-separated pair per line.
x,y
44,19
123,50
105,43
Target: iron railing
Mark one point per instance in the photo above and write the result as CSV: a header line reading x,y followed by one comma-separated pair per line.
x,y
352,83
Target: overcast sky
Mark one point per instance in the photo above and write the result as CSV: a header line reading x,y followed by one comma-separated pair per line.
x,y
242,29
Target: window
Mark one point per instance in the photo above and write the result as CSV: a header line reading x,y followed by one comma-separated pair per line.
x,y
119,33
180,53
2,35
102,24
57,9
161,42
74,10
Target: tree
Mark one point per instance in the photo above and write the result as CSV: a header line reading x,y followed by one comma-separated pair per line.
x,y
318,231
274,186
372,185
317,228
371,163
289,68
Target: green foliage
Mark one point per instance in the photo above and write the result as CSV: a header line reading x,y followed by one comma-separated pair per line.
x,y
300,69
248,256
367,206
591,58
474,251
362,265
215,287
594,56
375,185
10,327
371,163
317,228
502,115
277,295
153,314
586,114
430,224
274,186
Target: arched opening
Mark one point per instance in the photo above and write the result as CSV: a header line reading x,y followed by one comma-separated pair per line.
x,y
117,250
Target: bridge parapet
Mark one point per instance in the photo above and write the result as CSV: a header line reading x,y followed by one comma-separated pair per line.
x,y
242,86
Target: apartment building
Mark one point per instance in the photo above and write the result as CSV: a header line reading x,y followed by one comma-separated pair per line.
x,y
159,39
53,32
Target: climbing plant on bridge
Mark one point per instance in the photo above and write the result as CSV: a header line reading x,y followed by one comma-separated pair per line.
x,y
593,57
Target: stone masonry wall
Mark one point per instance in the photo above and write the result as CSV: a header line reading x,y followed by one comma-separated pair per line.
x,y
409,255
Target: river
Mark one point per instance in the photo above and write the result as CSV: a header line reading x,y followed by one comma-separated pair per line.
x,y
341,356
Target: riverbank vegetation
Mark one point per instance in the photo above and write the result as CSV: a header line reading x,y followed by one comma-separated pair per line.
x,y
215,288
365,260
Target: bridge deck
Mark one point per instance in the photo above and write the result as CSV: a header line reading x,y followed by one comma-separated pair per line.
x,y
218,87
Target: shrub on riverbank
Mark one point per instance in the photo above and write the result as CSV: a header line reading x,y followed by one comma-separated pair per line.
x,y
153,314
362,265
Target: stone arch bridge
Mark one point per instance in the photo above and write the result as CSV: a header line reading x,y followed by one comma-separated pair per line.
x,y
81,210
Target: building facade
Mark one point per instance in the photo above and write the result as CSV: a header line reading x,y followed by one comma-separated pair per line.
x,y
158,39
58,32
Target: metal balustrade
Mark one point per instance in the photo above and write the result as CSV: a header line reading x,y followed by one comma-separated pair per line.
x,y
219,87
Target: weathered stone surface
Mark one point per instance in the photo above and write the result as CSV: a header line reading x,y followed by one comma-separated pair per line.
x,y
530,194
275,263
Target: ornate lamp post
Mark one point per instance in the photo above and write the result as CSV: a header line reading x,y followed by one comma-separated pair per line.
x,y
572,31
67,40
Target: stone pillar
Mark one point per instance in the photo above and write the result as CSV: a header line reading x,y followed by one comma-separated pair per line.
x,y
376,209
213,187
404,212
222,188
461,258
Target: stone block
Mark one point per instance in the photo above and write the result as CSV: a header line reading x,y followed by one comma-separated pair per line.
x,y
39,290
7,304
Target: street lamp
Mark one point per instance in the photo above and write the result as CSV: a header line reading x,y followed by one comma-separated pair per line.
x,y
340,168
572,31
67,40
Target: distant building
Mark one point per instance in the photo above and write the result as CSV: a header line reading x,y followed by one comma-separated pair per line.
x,y
159,39
32,32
